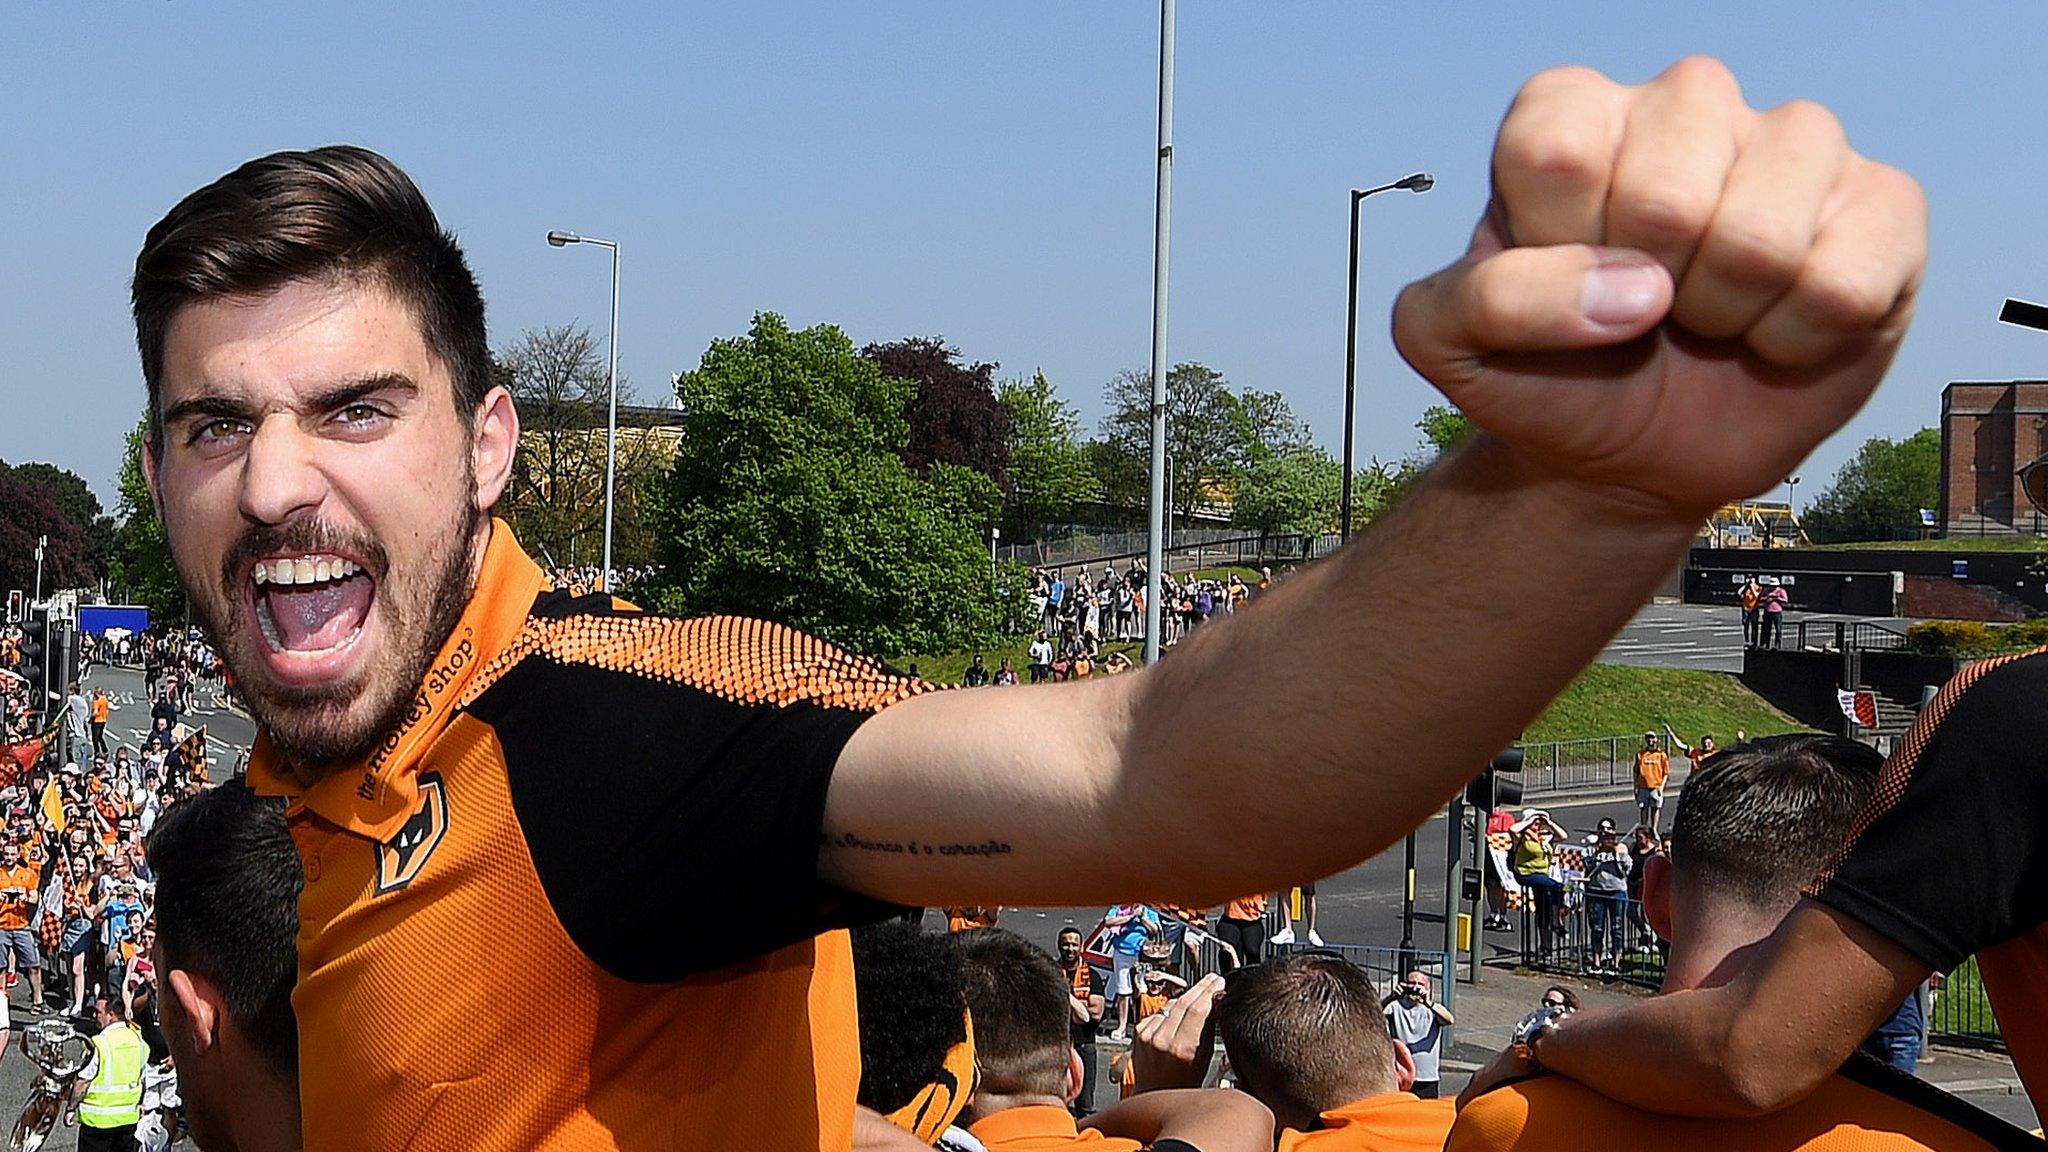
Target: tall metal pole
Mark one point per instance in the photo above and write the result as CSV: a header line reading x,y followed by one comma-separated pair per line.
x,y
1350,367
611,433
1454,872
41,543
1155,549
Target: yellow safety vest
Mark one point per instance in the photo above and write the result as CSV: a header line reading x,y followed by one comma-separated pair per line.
x,y
114,1099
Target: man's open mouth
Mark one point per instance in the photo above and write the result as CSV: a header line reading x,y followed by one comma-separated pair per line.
x,y
310,604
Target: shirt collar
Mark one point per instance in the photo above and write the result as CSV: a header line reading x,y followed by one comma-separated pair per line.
x,y
376,795
1024,1123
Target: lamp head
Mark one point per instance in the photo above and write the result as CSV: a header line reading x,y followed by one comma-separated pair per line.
x,y
1420,182
559,238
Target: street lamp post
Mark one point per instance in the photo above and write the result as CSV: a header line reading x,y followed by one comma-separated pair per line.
x,y
42,542
611,425
1420,182
1791,528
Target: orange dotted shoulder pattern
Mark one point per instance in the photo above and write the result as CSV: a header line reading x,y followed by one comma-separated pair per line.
x,y
732,657
1905,757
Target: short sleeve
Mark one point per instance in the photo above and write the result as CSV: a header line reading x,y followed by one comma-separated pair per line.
x,y
1950,856
671,786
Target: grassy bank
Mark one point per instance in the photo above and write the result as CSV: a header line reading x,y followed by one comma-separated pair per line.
x,y
1605,700
1614,699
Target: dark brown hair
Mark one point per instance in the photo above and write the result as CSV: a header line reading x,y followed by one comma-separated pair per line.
x,y
1306,1033
1018,998
1759,820
338,213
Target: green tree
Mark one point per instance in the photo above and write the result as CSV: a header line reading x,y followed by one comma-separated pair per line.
x,y
1201,429
1262,425
1442,427
789,500
142,572
1298,489
1049,474
1878,494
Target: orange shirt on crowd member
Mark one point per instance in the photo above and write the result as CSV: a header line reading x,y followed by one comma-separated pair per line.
x,y
1246,907
99,709
962,919
1390,1122
1043,1128
21,883
1653,766
1867,1107
485,809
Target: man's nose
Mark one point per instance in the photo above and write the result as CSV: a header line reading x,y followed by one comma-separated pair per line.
x,y
279,475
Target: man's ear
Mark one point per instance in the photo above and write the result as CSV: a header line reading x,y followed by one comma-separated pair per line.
x,y
150,443
1077,1074
494,440
201,1005
1657,894
1404,1067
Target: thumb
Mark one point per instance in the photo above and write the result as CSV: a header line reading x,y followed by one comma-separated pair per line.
x,y
1549,299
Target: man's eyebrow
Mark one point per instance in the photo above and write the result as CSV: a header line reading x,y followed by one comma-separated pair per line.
x,y
216,407
340,395
348,392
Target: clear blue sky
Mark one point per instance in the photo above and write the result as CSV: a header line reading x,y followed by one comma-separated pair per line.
x,y
975,171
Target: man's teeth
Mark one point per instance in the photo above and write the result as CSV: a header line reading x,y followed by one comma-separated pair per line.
x,y
303,570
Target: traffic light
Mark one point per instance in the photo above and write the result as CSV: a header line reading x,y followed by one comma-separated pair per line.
x,y
1500,785
35,643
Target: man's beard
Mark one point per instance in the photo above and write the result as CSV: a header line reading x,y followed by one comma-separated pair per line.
x,y
311,727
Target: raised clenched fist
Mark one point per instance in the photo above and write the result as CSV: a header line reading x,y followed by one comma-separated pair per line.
x,y
1672,295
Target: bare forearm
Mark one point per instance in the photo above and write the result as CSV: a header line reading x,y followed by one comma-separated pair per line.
x,y
1212,1119
1347,704
1778,1027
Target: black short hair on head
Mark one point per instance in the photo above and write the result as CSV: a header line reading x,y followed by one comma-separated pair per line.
x,y
907,987
1759,820
1306,1033
338,213
1018,998
227,908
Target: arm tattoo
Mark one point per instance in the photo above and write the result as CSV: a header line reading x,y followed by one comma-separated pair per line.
x,y
858,843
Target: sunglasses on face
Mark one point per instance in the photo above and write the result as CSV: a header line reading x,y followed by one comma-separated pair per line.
x,y
1552,1002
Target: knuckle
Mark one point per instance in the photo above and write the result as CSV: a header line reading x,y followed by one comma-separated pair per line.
x,y
1704,72
1662,213
1563,78
1757,251
1572,154
1845,301
1807,119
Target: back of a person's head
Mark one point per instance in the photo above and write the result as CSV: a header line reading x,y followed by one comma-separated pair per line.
x,y
1761,819
227,908
1018,998
907,986
1306,1034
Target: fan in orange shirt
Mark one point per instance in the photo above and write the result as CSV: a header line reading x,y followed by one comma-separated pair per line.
x,y
1307,1038
1030,1073
1751,827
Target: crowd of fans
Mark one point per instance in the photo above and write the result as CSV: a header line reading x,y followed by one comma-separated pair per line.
x,y
1079,611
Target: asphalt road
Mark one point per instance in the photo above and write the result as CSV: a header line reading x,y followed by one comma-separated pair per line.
x,y
1701,636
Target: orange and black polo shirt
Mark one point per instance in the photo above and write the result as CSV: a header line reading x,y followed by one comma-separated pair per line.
x,y
1950,856
503,939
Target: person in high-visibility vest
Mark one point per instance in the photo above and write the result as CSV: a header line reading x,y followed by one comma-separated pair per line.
x,y
109,1090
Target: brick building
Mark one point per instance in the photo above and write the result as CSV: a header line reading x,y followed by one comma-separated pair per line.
x,y
1988,432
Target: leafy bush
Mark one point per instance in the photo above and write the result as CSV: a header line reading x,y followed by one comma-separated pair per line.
x,y
1973,638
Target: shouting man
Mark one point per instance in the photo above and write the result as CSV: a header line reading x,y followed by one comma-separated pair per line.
x,y
476,759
